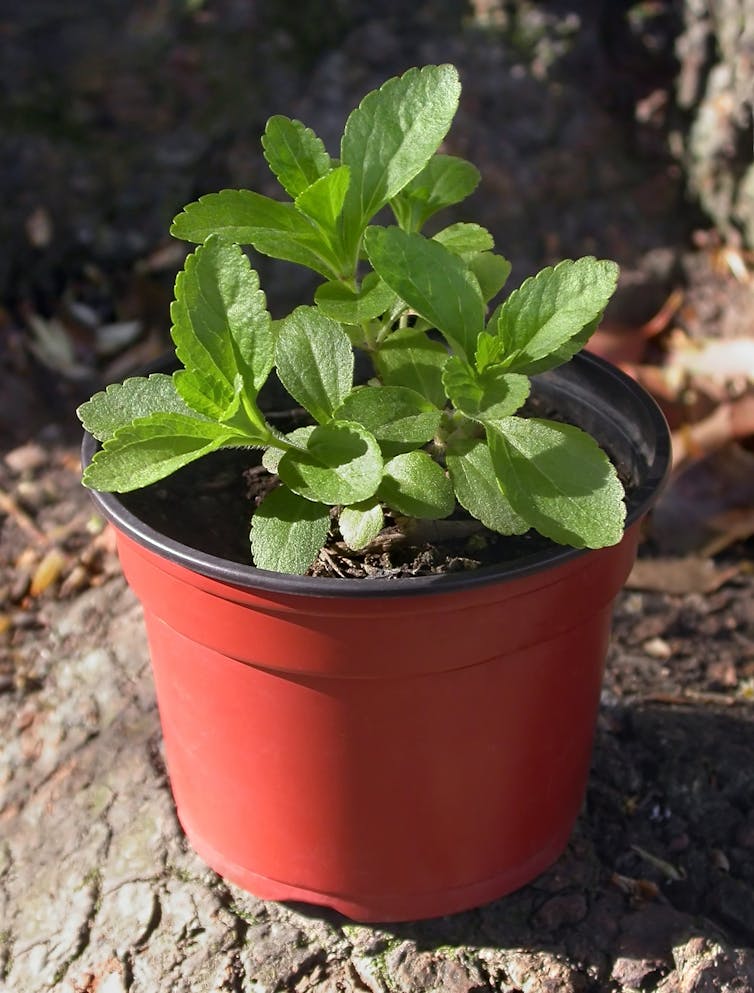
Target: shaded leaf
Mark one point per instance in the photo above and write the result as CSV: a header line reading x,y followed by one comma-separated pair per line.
x,y
415,485
338,301
484,396
477,490
392,414
443,181
314,361
288,531
432,280
342,464
411,358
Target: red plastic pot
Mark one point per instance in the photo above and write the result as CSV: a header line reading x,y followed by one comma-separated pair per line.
x,y
394,749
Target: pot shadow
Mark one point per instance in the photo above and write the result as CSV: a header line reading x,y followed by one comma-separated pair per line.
x,y
661,852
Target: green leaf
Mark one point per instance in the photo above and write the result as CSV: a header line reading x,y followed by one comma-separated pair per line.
x,y
490,350
476,487
342,464
314,361
562,354
322,202
415,485
492,272
411,358
122,403
221,327
287,532
246,218
361,523
444,180
273,455
486,396
151,448
432,281
294,153
396,416
549,309
338,301
461,238
391,136
559,480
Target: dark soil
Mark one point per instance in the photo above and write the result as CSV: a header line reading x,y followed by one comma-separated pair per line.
x,y
208,505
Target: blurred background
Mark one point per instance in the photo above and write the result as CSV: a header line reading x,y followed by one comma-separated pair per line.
x,y
615,127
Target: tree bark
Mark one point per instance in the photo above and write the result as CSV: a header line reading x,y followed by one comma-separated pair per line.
x,y
715,88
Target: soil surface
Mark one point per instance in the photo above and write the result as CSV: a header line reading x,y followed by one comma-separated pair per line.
x,y
99,892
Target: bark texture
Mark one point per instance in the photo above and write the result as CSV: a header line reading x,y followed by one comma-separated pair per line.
x,y
715,87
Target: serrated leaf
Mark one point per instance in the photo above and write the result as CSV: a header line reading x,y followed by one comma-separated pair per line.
x,y
415,485
490,350
433,282
462,238
361,523
221,327
247,218
287,532
485,396
206,394
411,358
342,464
322,202
122,403
491,271
294,153
151,448
477,490
314,361
391,136
559,480
562,354
338,301
396,416
444,180
549,309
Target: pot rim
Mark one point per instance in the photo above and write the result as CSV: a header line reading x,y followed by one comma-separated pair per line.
x,y
252,578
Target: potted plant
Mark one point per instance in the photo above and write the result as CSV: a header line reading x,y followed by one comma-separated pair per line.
x,y
392,747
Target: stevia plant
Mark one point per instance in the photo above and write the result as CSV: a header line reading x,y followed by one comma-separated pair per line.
x,y
439,423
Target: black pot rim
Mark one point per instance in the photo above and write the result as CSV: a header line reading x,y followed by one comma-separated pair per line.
x,y
251,578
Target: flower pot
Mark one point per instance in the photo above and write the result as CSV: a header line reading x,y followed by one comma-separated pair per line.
x,y
394,749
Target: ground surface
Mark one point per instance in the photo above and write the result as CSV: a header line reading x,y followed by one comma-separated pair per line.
x,y
565,111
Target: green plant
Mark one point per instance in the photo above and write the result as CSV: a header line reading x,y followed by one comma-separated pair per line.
x,y
439,422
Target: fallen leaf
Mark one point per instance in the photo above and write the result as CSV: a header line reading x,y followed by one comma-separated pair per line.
x,y
690,574
48,571
638,890
664,867
694,507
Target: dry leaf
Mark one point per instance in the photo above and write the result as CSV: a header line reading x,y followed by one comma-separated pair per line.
x,y
690,574
48,571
